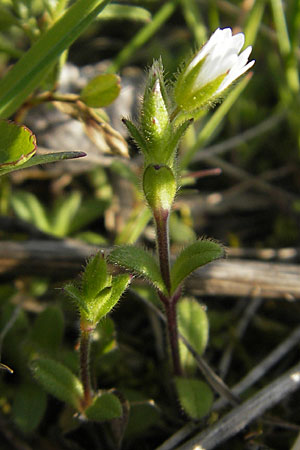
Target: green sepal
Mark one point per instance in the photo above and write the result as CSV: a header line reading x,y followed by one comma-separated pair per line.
x,y
159,185
58,380
177,134
136,136
193,256
156,72
95,277
138,262
188,96
105,406
203,96
17,145
194,326
195,396
101,91
184,83
155,121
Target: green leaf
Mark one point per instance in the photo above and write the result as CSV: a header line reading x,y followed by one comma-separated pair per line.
x,y
101,91
27,206
194,326
137,136
94,277
95,305
58,380
138,262
29,407
137,222
64,213
195,396
17,144
119,284
105,406
195,255
76,295
126,12
29,71
89,210
48,329
43,159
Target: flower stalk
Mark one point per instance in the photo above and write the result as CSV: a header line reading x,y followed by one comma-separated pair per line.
x,y
165,116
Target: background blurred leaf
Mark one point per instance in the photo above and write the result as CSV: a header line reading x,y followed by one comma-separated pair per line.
x,y
101,90
29,407
106,406
29,71
47,330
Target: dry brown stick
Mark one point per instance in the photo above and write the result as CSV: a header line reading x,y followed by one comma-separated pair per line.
x,y
64,259
237,419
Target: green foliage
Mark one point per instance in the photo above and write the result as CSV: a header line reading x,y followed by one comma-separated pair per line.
x,y
31,69
58,381
138,262
125,12
29,407
192,257
37,160
47,330
194,326
68,215
101,90
17,144
95,277
195,396
99,291
105,406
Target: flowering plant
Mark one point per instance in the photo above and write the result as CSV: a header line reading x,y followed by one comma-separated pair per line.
x,y
212,70
165,116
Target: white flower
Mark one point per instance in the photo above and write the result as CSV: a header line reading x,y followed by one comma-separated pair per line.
x,y
220,56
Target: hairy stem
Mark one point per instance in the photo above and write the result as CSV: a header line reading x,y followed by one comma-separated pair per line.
x,y
163,246
173,337
85,343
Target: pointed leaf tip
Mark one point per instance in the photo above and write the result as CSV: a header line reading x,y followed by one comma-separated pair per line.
x,y
192,257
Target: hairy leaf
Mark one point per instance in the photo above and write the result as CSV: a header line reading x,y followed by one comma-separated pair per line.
x,y
195,255
105,406
138,262
58,380
193,325
195,396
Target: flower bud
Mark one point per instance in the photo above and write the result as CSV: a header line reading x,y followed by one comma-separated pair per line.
x,y
212,70
159,186
155,122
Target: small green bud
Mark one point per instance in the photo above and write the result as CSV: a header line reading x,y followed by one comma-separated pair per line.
x,y
160,187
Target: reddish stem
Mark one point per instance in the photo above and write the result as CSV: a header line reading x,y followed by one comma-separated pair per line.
x,y
163,246
85,343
